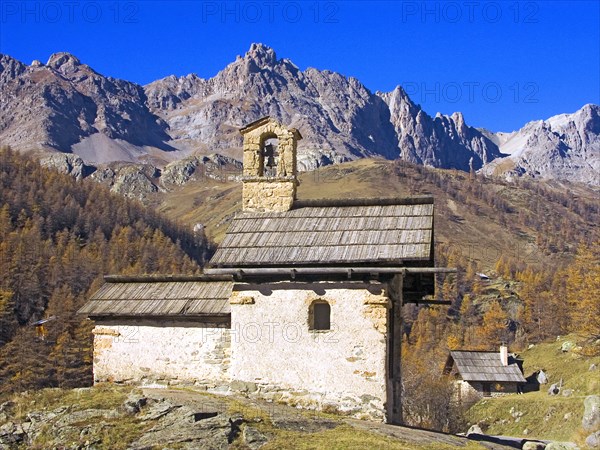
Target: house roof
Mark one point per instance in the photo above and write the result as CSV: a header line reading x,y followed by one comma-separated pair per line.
x,y
375,232
485,366
198,296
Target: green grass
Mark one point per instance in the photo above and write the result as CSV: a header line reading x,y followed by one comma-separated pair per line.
x,y
572,367
544,416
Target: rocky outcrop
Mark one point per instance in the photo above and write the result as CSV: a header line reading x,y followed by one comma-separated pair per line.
x,y
140,181
68,163
197,167
130,180
591,413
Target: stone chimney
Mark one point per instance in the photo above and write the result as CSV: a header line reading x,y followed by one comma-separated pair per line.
x,y
269,176
504,354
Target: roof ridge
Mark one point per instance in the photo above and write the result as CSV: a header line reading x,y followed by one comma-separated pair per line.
x,y
384,201
475,351
163,278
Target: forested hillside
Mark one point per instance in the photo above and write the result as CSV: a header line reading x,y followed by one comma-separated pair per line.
x,y
545,281
58,236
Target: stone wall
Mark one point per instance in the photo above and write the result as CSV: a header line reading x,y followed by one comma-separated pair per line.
x,y
467,391
268,195
277,193
161,351
274,355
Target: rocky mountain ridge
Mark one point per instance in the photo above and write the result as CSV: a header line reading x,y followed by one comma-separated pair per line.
x,y
65,106
566,146
442,141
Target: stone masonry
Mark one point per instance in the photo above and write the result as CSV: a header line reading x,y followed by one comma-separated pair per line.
x,y
261,193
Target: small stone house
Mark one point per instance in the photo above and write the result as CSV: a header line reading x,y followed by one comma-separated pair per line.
x,y
484,374
301,302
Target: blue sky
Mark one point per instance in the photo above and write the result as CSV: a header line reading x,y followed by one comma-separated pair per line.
x,y
501,63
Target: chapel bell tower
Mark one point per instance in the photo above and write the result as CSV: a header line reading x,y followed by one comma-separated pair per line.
x,y
269,177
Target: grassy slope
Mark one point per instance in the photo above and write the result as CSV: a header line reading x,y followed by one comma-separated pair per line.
x,y
544,416
479,235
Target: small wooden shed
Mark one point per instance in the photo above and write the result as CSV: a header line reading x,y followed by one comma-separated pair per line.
x,y
484,374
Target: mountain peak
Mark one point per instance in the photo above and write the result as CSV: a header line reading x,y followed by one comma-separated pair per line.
x,y
63,60
262,55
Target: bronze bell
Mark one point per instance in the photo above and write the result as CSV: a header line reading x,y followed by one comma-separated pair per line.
x,y
270,155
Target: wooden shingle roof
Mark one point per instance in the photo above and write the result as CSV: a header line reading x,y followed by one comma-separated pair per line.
x,y
486,366
154,296
375,232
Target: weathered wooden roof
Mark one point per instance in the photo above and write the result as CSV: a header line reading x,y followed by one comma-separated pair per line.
x,y
486,366
153,296
387,231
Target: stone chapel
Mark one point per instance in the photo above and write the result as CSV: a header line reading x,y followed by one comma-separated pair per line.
x,y
301,302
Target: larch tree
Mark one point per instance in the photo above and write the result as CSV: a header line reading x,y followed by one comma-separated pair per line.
x,y
583,292
494,327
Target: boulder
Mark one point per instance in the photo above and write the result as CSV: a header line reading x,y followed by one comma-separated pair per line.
x,y
567,346
184,427
475,429
593,440
12,433
553,389
253,438
158,410
591,413
134,403
533,445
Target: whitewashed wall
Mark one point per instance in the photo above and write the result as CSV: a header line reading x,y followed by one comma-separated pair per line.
x,y
167,352
275,353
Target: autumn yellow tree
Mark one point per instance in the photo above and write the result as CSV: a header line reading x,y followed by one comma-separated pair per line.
x,y
583,292
494,327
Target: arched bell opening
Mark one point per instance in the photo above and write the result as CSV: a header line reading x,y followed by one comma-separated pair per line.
x,y
269,150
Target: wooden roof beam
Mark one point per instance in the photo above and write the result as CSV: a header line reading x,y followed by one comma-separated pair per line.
x,y
349,271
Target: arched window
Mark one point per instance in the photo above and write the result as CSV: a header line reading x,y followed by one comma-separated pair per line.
x,y
319,316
